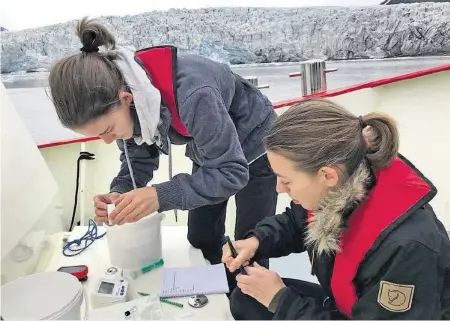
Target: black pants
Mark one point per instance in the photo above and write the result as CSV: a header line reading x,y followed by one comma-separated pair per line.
x,y
244,307
257,200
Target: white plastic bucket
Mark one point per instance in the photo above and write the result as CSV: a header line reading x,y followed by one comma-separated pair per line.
x,y
42,296
135,245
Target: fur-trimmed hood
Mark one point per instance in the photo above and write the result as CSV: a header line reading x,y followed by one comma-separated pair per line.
x,y
325,226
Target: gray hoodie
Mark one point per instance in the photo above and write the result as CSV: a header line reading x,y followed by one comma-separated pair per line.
x,y
227,118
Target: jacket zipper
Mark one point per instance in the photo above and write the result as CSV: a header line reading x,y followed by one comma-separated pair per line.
x,y
312,262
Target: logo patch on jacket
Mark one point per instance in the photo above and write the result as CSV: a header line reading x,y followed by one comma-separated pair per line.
x,y
395,297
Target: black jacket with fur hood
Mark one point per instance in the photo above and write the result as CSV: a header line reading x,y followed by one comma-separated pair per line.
x,y
376,247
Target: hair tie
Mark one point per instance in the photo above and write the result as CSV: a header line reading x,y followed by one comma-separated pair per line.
x,y
87,50
362,123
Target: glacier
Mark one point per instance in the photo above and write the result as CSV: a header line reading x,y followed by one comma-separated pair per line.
x,y
252,35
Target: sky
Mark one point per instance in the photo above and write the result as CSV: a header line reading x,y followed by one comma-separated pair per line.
x,y
23,14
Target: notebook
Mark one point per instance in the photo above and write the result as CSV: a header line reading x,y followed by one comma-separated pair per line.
x,y
193,280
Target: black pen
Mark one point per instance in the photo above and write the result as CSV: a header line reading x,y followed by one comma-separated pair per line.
x,y
234,254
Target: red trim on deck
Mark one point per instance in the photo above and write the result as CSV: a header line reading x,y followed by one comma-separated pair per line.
x,y
68,141
289,102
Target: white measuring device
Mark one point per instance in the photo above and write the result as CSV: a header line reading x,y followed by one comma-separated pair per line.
x,y
109,289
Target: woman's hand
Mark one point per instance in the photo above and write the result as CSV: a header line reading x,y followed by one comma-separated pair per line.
x,y
246,250
134,205
100,205
260,283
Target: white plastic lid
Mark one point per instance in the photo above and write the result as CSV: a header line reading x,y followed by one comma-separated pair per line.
x,y
75,304
39,296
152,219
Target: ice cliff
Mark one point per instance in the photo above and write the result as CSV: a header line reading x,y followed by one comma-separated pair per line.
x,y
254,35
390,2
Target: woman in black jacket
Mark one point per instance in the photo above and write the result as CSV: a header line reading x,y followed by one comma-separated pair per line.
x,y
362,213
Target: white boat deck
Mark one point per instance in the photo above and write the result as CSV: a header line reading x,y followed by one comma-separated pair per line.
x,y
419,106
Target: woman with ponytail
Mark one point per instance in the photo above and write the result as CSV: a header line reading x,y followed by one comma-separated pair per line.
x,y
155,97
360,210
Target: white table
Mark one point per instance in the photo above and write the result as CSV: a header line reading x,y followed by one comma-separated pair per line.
x,y
176,252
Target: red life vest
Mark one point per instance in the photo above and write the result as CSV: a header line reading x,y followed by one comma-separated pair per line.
x,y
161,64
398,188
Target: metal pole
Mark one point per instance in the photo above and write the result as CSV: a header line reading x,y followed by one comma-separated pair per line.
x,y
313,73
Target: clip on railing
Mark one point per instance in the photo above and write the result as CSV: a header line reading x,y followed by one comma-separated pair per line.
x,y
254,81
298,74
313,73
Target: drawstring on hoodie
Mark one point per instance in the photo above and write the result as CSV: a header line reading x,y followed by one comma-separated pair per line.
x,y
170,170
129,163
130,168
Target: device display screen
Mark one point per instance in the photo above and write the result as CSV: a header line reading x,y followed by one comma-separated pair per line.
x,y
106,288
71,269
